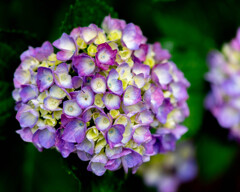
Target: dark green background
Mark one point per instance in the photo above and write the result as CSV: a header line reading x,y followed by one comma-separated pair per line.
x,y
189,29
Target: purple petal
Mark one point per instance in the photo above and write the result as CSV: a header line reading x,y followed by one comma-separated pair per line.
x,y
98,84
111,101
71,108
114,85
160,54
131,160
86,146
134,109
110,24
28,92
142,134
145,117
112,152
84,64
89,33
77,82
26,134
228,117
115,135
139,68
113,164
103,122
153,97
105,56
46,137
132,37
161,74
74,131
84,156
21,77
163,111
85,97
27,116
67,45
179,91
141,53
44,78
132,95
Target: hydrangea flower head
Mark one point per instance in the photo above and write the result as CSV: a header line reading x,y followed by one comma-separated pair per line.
x,y
106,95
224,76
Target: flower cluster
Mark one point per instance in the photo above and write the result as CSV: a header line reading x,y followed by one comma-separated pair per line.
x,y
106,95
167,172
224,76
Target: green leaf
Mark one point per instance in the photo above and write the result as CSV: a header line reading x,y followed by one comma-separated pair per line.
x,y
84,12
214,157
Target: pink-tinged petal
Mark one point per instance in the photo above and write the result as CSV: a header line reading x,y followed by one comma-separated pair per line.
x,y
132,37
26,134
74,131
163,111
145,117
27,116
141,53
67,46
57,93
134,109
113,164
113,84
84,64
89,33
139,80
28,92
71,108
87,114
153,97
86,146
62,68
160,54
142,134
105,56
103,122
179,91
235,43
98,84
77,82
21,77
115,135
51,103
132,95
46,137
111,101
85,97
161,74
110,24
44,78
139,68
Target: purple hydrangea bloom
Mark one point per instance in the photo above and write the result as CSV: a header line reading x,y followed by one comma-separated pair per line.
x,y
108,96
224,77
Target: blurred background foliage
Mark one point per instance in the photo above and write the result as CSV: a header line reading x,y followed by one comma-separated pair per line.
x,y
189,29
